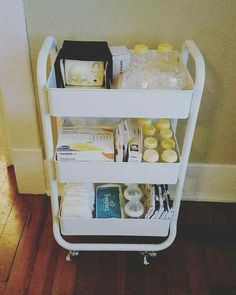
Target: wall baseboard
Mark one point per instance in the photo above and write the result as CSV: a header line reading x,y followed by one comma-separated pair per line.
x,y
28,165
210,183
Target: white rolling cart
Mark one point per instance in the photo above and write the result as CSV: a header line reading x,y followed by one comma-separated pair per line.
x,y
117,103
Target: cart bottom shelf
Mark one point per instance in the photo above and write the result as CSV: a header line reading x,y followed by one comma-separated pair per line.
x,y
115,227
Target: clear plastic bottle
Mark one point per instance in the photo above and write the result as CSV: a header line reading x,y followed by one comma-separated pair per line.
x,y
133,191
172,75
134,208
141,54
166,54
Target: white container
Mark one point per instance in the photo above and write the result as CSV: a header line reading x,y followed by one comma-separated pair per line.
x,y
114,227
123,172
121,103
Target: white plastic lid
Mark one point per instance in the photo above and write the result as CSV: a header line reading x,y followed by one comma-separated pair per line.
x,y
134,208
133,191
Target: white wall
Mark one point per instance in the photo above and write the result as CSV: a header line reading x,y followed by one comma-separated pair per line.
x,y
19,99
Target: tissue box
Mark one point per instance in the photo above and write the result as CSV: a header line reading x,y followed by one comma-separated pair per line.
x,y
84,63
85,144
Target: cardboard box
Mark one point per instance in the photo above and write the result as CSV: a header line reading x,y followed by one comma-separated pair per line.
x,y
120,59
85,144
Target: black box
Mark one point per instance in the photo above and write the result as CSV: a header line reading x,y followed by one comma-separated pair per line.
x,y
81,62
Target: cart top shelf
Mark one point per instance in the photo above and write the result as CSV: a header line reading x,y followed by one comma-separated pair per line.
x,y
84,102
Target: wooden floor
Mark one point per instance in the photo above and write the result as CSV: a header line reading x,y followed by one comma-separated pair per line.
x,y
201,261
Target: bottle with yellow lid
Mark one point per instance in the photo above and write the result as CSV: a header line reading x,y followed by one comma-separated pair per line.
x,y
173,76
167,54
150,156
150,143
167,144
169,156
144,121
165,133
163,123
149,130
140,54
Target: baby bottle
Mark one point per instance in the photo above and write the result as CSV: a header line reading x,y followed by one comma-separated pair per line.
x,y
150,154
133,208
140,54
168,62
133,191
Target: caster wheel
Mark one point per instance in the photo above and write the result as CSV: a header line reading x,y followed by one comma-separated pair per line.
x,y
72,255
147,257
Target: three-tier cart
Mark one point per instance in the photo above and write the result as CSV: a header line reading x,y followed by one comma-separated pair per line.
x,y
116,103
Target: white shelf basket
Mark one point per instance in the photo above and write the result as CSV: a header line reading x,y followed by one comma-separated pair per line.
x,y
114,227
71,172
121,103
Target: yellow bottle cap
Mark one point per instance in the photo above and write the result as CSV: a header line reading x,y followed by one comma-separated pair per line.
x,y
163,123
169,156
165,47
150,155
150,143
166,133
141,48
144,121
149,130
168,144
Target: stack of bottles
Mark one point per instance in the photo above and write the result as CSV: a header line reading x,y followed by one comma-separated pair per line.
x,y
154,69
158,141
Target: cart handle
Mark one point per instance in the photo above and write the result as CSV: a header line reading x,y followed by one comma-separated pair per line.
x,y
190,48
48,50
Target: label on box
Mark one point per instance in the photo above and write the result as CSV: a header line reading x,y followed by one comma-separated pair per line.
x,y
87,144
108,202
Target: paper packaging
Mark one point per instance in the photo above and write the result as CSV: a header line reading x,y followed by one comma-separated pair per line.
x,y
85,144
135,150
109,201
120,59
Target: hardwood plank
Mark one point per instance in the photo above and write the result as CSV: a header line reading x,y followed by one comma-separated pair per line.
x,y
12,233
110,267
155,277
88,273
196,270
176,274
134,274
64,276
178,290
226,290
21,271
221,266
45,261
2,287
